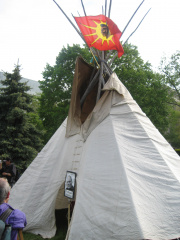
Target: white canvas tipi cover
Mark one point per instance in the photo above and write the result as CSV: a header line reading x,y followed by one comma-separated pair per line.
x,y
128,176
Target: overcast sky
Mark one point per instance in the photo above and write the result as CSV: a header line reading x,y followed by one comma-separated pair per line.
x,y
34,31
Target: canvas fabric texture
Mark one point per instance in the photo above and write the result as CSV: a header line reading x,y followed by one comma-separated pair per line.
x,y
128,176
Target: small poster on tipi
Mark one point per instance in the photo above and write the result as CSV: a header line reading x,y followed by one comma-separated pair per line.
x,y
70,182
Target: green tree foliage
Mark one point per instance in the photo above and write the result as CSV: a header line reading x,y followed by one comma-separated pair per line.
x,y
19,137
56,88
171,71
34,115
173,133
146,87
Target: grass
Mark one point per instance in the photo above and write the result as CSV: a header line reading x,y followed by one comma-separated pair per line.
x,y
60,235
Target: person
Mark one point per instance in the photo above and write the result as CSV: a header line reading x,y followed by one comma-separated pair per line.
x,y
69,185
8,170
16,219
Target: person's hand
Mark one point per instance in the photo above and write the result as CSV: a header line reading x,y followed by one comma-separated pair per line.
x,y
5,174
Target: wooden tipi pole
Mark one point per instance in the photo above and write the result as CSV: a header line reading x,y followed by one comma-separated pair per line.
x,y
115,55
108,55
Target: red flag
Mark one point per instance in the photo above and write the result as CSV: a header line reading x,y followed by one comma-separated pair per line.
x,y
100,32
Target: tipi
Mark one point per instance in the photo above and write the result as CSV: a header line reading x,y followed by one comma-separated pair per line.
x,y
128,176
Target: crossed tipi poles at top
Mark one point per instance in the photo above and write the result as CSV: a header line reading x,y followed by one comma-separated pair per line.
x,y
103,64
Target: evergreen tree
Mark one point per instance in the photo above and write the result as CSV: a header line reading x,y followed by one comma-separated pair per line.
x,y
19,138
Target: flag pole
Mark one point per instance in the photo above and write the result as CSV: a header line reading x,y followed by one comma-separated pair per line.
x,y
109,9
132,17
69,216
102,10
83,7
108,55
137,26
105,6
69,20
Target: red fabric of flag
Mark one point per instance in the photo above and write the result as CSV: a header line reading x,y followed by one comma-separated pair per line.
x,y
100,32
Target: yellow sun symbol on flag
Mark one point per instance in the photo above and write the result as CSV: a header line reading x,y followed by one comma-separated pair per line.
x,y
102,32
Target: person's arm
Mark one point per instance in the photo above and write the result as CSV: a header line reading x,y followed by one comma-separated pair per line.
x,y
5,174
12,172
17,219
